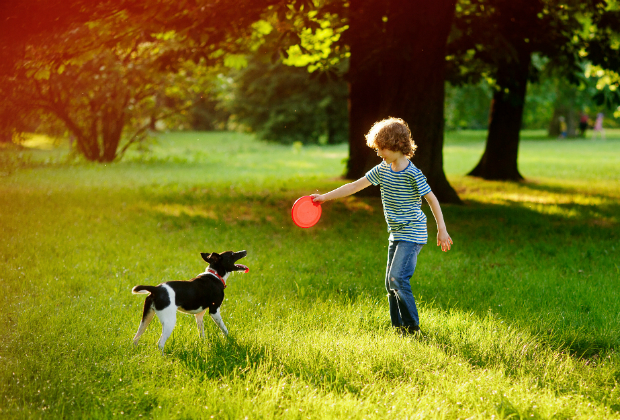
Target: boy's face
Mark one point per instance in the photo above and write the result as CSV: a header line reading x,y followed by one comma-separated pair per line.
x,y
388,155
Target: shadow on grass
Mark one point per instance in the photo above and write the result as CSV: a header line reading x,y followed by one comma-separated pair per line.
x,y
231,359
533,254
541,257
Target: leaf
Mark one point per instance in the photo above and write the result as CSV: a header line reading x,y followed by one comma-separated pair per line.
x,y
235,61
42,74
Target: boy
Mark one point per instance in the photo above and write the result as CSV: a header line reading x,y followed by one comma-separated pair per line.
x,y
402,188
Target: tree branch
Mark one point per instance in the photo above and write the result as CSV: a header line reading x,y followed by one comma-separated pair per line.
x,y
145,127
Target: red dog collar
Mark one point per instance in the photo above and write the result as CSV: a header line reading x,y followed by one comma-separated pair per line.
x,y
212,271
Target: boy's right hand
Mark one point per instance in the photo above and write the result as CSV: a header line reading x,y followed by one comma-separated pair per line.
x,y
317,198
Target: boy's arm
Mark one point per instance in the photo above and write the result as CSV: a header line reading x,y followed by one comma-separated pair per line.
x,y
443,239
345,190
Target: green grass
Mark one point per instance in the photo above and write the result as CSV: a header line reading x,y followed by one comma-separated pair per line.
x,y
522,317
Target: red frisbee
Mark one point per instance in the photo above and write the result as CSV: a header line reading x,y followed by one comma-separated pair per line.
x,y
306,212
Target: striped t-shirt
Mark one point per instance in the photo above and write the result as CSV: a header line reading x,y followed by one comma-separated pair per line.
x,y
401,194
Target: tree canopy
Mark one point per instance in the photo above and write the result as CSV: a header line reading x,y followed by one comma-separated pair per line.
x,y
108,69
497,39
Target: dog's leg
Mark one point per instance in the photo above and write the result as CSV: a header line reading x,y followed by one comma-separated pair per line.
x,y
200,323
218,320
168,318
147,316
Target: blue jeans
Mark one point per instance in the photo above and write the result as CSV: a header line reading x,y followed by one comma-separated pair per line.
x,y
402,259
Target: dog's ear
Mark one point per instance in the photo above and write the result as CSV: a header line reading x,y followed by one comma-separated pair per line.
x,y
210,258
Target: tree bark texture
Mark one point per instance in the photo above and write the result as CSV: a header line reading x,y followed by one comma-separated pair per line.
x,y
499,161
366,26
398,70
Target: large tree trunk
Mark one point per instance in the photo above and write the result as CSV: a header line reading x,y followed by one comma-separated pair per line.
x,y
365,26
499,161
398,70
414,81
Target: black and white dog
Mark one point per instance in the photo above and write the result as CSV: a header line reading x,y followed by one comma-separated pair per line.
x,y
205,291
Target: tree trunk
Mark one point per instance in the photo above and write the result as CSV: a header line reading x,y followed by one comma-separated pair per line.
x,y
499,161
112,130
398,70
554,124
365,24
571,118
414,81
569,101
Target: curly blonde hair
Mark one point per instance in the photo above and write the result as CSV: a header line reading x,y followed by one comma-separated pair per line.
x,y
392,134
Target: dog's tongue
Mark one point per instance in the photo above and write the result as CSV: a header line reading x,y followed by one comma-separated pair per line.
x,y
246,269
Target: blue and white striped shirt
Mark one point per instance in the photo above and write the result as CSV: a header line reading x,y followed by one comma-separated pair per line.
x,y
401,194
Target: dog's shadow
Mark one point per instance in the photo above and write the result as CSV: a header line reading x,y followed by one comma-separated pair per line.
x,y
219,356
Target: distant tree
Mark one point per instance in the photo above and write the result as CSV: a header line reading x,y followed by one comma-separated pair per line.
x,y
24,23
599,87
497,38
570,100
108,96
111,65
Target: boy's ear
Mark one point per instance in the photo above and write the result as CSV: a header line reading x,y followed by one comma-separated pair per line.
x,y
210,258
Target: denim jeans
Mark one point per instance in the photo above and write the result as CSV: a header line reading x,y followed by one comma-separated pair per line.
x,y
402,259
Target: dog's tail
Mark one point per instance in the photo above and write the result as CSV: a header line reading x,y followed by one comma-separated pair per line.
x,y
143,290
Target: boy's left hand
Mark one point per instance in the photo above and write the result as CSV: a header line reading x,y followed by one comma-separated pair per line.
x,y
444,240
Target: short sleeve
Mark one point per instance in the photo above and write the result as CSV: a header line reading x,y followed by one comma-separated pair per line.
x,y
420,180
373,175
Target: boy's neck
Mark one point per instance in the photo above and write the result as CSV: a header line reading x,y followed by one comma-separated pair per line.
x,y
400,164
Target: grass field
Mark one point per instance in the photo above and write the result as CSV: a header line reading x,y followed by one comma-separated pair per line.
x,y
522,317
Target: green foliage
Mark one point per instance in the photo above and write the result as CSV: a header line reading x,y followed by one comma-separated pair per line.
x,y
489,36
106,87
319,49
540,102
603,51
467,107
109,71
208,115
516,325
287,104
607,88
564,37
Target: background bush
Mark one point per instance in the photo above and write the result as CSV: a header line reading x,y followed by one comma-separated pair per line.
x,y
287,104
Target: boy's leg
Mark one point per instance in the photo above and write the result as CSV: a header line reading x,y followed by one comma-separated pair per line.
x,y
392,299
401,270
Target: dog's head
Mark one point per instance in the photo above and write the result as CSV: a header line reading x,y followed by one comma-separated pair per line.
x,y
224,263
